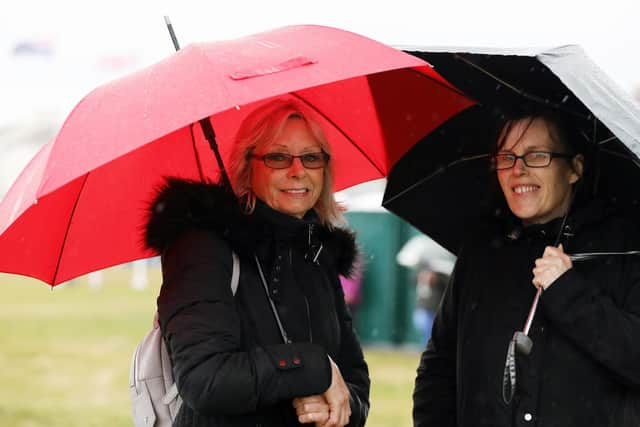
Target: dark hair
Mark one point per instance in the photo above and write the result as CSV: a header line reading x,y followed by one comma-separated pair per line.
x,y
562,130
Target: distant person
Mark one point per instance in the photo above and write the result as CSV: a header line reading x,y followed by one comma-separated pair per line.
x,y
352,287
431,265
430,286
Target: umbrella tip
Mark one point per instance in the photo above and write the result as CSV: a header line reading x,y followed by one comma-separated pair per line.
x,y
174,39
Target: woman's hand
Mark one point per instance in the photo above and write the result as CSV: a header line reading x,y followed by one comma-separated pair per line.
x,y
553,264
312,409
337,397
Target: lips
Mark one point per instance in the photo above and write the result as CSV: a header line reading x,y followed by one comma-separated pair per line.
x,y
295,191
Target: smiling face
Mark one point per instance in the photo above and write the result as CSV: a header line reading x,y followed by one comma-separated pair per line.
x,y
537,195
296,189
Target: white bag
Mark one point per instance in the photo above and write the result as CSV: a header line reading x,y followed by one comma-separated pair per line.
x,y
154,395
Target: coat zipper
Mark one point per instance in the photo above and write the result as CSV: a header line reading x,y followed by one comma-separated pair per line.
x,y
306,300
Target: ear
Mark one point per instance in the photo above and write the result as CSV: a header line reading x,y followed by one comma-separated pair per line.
x,y
577,167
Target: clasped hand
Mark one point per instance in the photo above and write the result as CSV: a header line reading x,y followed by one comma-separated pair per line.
x,y
553,264
330,409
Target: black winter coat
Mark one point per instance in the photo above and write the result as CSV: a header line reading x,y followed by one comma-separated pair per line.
x,y
229,360
584,368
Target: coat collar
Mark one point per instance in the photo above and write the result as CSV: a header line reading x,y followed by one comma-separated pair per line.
x,y
579,218
180,205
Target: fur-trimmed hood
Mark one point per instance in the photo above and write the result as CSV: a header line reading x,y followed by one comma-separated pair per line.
x,y
181,205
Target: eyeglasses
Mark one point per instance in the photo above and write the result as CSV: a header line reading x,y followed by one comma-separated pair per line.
x,y
533,159
284,160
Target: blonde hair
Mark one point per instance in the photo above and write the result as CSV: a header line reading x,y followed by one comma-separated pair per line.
x,y
261,128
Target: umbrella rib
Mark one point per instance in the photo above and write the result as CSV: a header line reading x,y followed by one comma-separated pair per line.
x,y
591,255
313,107
195,153
66,232
521,92
437,172
604,141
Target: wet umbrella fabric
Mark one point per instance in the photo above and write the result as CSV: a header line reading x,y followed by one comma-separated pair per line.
x,y
80,204
444,185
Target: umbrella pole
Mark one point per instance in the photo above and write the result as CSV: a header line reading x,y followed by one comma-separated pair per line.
x,y
210,135
526,348
205,124
532,312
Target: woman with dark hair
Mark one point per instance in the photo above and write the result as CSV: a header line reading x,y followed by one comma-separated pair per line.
x,y
584,366
282,350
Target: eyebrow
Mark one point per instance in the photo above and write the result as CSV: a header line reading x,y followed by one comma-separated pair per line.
x,y
528,149
310,149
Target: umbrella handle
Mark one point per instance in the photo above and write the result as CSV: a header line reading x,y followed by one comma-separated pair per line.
x,y
573,257
534,305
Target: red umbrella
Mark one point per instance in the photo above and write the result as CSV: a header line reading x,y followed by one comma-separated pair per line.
x,y
80,204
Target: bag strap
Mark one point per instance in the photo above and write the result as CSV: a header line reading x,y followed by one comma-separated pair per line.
x,y
283,333
133,371
171,394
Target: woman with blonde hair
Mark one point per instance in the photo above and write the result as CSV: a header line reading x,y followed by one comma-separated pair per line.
x,y
282,350
261,129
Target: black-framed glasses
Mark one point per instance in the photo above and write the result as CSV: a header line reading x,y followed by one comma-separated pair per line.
x,y
532,159
276,160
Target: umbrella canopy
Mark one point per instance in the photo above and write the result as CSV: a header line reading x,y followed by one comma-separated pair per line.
x,y
79,206
444,185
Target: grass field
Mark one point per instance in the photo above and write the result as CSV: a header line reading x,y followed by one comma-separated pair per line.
x,y
65,354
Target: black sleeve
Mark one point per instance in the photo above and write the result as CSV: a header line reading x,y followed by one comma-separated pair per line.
x,y
202,330
434,395
350,360
609,332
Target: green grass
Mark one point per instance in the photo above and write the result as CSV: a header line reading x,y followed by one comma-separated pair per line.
x,y
65,355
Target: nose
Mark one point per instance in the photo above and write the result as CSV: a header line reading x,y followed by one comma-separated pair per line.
x,y
296,169
519,167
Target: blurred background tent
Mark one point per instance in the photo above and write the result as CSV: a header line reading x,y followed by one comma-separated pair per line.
x,y
393,252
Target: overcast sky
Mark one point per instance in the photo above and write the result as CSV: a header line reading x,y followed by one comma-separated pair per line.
x,y
81,30
92,42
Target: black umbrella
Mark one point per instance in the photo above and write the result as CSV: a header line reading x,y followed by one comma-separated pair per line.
x,y
444,186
